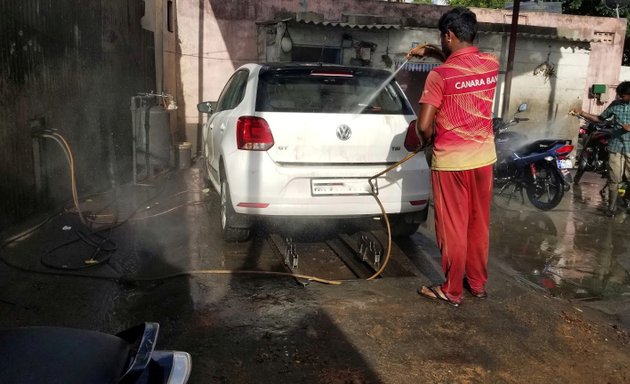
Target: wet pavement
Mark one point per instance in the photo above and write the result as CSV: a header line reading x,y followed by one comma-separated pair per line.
x,y
574,251
558,311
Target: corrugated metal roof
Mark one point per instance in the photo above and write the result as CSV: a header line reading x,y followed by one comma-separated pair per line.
x,y
531,31
415,67
542,36
348,25
527,31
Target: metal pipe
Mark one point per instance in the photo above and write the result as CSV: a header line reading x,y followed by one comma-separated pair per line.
x,y
510,60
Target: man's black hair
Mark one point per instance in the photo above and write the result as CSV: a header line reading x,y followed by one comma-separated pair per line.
x,y
461,21
623,88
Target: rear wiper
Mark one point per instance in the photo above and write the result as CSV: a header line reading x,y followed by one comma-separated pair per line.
x,y
368,107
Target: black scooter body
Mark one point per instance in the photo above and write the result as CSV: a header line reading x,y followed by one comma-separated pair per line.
x,y
67,356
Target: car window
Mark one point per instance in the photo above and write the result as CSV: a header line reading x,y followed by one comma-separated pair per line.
x,y
308,90
234,91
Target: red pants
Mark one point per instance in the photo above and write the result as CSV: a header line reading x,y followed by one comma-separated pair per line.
x,y
462,226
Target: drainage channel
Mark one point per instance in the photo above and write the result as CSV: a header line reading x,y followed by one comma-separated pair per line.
x,y
354,256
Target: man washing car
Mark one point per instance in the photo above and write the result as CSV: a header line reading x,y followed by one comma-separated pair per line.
x,y
457,101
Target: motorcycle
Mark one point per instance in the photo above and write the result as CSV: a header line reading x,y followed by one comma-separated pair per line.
x,y
535,167
66,355
593,156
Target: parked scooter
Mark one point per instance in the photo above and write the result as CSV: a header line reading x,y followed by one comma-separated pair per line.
x,y
593,156
535,167
31,355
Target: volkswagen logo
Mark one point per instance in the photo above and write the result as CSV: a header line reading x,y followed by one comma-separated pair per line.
x,y
344,132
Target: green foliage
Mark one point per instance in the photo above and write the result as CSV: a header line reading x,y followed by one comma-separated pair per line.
x,y
495,4
590,8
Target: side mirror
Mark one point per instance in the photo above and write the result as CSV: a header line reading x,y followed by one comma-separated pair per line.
x,y
522,107
206,107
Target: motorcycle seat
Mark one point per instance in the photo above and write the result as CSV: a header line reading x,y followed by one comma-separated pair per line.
x,y
539,146
61,355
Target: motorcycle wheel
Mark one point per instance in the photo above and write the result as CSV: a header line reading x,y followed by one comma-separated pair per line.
x,y
580,170
567,178
546,190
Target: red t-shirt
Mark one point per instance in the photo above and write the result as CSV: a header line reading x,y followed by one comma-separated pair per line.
x,y
462,89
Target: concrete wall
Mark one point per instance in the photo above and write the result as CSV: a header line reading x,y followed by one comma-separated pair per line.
x,y
219,36
69,66
551,96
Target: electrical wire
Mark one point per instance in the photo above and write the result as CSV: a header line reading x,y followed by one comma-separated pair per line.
x,y
91,262
99,247
68,152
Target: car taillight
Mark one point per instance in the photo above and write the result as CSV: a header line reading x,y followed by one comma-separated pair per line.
x,y
412,141
253,134
564,151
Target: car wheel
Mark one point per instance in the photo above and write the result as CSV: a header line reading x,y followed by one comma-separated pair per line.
x,y
406,224
229,218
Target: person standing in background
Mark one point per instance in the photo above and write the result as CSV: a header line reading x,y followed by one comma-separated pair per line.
x,y
618,144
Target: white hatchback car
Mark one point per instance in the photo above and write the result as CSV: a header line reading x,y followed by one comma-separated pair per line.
x,y
303,140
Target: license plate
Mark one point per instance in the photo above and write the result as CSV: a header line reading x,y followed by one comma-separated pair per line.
x,y
565,164
327,187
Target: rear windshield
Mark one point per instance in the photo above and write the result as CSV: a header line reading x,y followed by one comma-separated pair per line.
x,y
330,91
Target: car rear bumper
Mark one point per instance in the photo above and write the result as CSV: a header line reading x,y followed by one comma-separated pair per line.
x,y
263,188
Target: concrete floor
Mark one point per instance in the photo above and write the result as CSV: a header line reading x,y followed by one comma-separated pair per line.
x,y
558,311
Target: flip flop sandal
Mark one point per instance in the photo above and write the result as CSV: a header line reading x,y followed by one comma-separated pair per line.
x,y
436,295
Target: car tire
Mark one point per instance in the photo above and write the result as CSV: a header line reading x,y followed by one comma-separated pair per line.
x,y
229,218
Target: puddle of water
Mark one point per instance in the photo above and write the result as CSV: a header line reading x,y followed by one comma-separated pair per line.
x,y
571,273
572,251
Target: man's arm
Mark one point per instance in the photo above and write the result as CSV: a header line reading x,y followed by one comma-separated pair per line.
x,y
424,50
424,124
586,115
595,118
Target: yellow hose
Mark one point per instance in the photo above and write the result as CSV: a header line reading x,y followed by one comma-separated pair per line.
x,y
384,213
243,272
